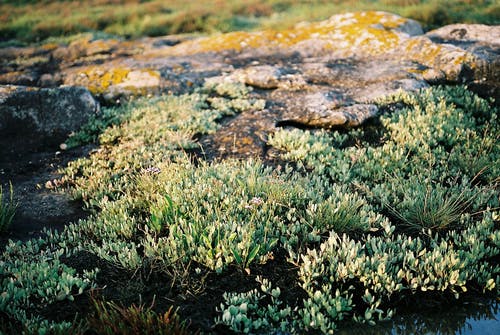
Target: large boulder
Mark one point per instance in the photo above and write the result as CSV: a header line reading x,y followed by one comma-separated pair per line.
x,y
326,74
47,115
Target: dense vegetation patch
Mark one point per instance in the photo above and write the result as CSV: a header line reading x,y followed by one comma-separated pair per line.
x,y
32,21
361,226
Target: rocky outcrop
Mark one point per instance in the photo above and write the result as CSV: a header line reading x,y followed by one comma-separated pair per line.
x,y
481,41
323,74
44,114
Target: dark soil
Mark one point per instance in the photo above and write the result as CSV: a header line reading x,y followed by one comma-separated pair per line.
x,y
196,296
31,168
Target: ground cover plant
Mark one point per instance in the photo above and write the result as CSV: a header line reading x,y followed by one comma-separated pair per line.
x,y
354,229
34,21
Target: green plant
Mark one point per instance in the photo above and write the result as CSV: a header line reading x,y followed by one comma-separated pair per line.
x,y
426,207
439,158
90,131
109,318
371,271
31,276
342,213
7,209
248,312
163,215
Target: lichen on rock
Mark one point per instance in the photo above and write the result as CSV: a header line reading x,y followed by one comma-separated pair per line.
x,y
48,115
112,83
317,74
367,32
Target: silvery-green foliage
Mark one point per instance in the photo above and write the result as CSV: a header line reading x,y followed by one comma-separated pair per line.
x,y
440,157
156,130
152,207
238,212
32,275
379,267
248,312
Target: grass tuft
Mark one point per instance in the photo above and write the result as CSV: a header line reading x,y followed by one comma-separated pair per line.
x,y
109,318
7,209
431,208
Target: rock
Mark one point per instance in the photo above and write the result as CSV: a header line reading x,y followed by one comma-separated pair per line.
x,y
137,82
116,82
344,35
320,74
482,42
263,76
47,115
348,116
332,109
19,78
50,80
467,35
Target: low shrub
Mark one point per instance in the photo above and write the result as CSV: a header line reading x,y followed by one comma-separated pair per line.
x,y
365,225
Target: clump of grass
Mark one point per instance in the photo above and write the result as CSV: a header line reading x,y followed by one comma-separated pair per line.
x,y
433,208
109,318
7,209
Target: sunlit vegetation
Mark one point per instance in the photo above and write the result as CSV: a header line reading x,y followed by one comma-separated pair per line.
x,y
359,220
34,21
364,222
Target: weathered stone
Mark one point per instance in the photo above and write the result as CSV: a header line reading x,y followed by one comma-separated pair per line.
x,y
466,35
482,42
47,114
348,116
320,74
263,76
325,110
116,82
19,78
86,49
137,82
370,33
50,80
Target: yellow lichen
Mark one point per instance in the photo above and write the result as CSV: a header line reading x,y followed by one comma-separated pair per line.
x,y
49,46
441,57
98,80
372,32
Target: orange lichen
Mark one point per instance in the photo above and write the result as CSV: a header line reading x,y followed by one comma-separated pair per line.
x,y
98,80
49,46
101,80
372,32
446,58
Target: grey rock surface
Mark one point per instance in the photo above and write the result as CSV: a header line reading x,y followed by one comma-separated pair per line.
x,y
321,74
49,114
